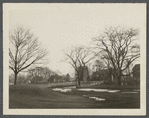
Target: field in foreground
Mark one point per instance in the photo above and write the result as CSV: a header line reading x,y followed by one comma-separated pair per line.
x,y
36,96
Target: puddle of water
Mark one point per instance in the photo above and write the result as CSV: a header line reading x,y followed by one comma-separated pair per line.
x,y
84,95
96,90
113,91
97,99
129,92
68,89
99,90
65,89
62,90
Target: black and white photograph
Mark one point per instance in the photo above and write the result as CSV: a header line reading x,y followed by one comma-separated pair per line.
x,y
74,58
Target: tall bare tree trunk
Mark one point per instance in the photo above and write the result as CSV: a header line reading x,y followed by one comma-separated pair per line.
x,y
79,81
110,77
119,79
15,79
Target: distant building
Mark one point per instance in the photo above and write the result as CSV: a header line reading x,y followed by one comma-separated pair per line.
x,y
95,76
134,78
83,73
56,78
51,79
136,72
36,79
67,77
100,75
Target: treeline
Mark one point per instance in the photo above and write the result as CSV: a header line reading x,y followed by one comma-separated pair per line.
x,y
39,75
115,50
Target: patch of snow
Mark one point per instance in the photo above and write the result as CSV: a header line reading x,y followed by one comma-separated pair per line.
x,y
99,90
96,90
113,91
84,95
62,90
97,99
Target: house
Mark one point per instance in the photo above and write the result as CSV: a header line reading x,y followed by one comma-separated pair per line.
x,y
36,79
99,75
136,72
51,79
56,78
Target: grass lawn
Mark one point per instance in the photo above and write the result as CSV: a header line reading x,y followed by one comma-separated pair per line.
x,y
31,96
122,99
42,96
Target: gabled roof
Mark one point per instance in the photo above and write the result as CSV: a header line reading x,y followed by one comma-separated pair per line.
x,y
137,66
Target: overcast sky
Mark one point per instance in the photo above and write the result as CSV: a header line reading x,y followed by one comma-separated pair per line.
x,y
59,26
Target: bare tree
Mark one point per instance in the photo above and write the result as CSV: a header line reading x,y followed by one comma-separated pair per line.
x,y
24,51
118,46
99,65
78,58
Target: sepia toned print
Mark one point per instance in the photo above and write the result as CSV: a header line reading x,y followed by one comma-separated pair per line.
x,y
74,59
